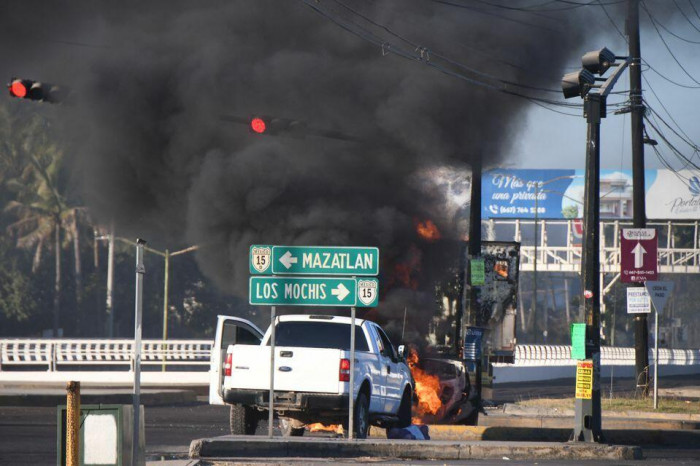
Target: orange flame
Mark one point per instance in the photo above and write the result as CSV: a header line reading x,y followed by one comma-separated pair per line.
x,y
404,272
428,230
318,427
427,389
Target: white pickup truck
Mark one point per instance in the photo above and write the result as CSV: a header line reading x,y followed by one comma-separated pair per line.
x,y
312,373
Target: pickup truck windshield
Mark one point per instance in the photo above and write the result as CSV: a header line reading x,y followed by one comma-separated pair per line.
x,y
319,335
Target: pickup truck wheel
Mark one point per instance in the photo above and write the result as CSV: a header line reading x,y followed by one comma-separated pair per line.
x,y
243,420
291,427
404,413
361,419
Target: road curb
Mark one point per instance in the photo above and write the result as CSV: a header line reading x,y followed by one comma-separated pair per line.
x,y
499,420
513,409
169,397
522,434
248,447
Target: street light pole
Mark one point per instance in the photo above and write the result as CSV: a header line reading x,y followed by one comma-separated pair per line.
x,y
587,417
587,425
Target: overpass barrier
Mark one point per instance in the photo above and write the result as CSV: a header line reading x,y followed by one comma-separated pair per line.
x,y
187,361
57,353
547,362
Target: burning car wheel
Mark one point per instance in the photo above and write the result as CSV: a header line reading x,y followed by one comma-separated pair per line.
x,y
405,407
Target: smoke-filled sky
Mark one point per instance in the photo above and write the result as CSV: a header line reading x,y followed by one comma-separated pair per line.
x,y
157,84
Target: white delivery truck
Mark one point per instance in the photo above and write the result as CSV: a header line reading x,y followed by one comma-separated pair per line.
x,y
312,374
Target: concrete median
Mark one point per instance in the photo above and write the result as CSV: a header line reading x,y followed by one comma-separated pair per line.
x,y
250,447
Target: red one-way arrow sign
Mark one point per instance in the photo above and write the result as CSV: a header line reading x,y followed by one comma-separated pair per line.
x,y
638,255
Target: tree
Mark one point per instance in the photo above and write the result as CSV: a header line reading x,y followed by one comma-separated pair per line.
x,y
40,208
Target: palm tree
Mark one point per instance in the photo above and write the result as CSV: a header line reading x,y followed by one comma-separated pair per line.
x,y
42,213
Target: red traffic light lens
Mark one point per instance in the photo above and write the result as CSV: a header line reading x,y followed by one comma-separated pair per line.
x,y
18,89
258,125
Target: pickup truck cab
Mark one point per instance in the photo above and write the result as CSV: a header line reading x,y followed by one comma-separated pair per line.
x,y
312,373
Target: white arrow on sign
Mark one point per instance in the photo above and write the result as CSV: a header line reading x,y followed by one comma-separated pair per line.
x,y
287,259
341,292
639,252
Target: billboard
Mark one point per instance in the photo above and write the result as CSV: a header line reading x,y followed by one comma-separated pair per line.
x,y
558,194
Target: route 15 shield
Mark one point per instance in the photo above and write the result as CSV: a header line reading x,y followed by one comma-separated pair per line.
x,y
260,258
367,291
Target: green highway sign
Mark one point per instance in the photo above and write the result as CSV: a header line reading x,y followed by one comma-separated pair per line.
x,y
313,291
314,260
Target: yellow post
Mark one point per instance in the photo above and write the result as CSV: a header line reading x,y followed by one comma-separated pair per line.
x,y
73,424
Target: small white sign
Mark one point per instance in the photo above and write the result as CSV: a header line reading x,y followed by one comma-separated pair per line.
x,y
638,300
101,439
659,293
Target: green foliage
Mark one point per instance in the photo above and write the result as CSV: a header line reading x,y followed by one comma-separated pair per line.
x,y
570,211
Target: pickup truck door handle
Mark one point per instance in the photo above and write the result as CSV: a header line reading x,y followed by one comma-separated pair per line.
x,y
286,354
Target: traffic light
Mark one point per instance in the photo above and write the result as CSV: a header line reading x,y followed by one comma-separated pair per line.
x,y
284,127
276,126
35,90
258,125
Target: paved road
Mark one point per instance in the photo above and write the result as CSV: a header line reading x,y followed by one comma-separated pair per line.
x,y
28,436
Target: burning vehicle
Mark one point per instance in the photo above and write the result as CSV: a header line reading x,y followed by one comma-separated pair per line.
x,y
443,393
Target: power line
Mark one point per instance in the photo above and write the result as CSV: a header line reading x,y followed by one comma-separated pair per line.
x,y
624,37
685,16
653,23
423,55
489,13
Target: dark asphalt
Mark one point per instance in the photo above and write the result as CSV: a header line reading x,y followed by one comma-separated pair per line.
x,y
28,434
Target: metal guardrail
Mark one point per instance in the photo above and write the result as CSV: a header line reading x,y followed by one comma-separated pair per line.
x,y
54,353
560,355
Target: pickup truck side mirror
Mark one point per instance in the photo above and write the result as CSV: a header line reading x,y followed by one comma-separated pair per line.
x,y
402,351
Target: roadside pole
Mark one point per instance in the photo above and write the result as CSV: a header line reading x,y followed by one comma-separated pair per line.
x,y
656,359
72,447
140,271
271,413
587,422
658,295
351,388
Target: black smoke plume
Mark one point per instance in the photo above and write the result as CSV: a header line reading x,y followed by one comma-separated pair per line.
x,y
156,85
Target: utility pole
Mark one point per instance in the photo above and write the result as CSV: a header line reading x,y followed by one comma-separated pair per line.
x,y
474,252
641,330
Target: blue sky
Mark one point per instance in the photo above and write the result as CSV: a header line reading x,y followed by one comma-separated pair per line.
x,y
551,140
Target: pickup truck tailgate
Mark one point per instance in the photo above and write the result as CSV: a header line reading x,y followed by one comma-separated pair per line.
x,y
296,369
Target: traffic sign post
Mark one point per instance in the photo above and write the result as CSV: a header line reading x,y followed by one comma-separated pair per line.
x,y
314,260
358,290
658,293
638,255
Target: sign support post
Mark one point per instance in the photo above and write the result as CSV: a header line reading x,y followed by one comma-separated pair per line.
x,y
271,401
351,389
658,294
656,359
